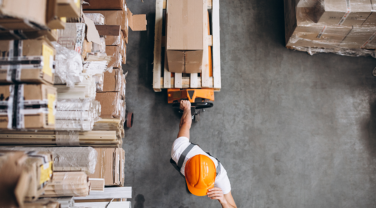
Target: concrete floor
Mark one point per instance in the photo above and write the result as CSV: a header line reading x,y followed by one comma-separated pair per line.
x,y
292,130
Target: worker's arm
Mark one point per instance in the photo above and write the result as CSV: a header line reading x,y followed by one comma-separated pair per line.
x,y
226,200
186,119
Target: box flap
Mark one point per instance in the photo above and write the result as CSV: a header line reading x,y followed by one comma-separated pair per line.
x,y
92,34
137,22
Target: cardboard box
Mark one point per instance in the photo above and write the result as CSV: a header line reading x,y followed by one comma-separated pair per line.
x,y
113,82
52,19
87,48
113,17
41,165
14,179
97,18
360,37
69,8
23,176
110,166
185,36
108,5
115,40
318,36
338,12
116,56
112,104
36,106
6,103
137,22
72,37
34,11
35,65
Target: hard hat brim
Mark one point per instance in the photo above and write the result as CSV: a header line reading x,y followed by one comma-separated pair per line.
x,y
197,192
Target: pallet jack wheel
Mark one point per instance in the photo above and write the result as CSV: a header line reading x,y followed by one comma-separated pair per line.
x,y
129,119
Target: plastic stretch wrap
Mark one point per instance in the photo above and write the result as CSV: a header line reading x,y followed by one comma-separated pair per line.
x,y
100,48
95,67
67,138
82,90
68,184
99,81
116,57
68,67
97,18
67,158
316,26
77,114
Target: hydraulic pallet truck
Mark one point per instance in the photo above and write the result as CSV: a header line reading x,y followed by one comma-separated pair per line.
x,y
200,99
198,88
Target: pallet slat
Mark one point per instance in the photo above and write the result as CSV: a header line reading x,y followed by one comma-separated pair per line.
x,y
157,67
205,83
216,45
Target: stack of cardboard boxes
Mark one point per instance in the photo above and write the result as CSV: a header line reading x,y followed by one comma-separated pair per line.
x,y
341,26
90,48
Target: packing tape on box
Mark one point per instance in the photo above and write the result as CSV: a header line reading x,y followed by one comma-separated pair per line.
x,y
32,107
67,138
14,63
348,12
6,106
370,39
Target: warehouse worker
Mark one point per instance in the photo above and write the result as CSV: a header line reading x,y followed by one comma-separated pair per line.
x,y
204,174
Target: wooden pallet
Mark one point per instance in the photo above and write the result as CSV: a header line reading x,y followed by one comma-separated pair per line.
x,y
163,79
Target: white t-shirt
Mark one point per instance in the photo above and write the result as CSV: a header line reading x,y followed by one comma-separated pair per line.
x,y
181,143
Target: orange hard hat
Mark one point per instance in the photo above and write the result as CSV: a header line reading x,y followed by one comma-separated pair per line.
x,y
200,174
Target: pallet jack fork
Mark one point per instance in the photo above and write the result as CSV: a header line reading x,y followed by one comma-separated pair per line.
x,y
200,100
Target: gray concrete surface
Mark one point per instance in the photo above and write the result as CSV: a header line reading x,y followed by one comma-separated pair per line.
x,y
292,130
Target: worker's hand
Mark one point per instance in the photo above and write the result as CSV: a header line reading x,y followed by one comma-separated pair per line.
x,y
185,105
217,194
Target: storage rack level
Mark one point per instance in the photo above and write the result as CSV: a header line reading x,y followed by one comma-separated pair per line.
x,y
163,79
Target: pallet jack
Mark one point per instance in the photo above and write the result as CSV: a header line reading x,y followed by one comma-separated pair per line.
x,y
200,99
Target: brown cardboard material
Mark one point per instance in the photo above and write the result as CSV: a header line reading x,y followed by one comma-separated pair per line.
x,y
360,37
35,165
185,36
14,179
108,5
371,20
111,104
32,48
114,17
34,11
52,19
318,36
33,119
137,22
112,82
114,40
337,12
72,37
69,8
109,166
87,48
116,56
